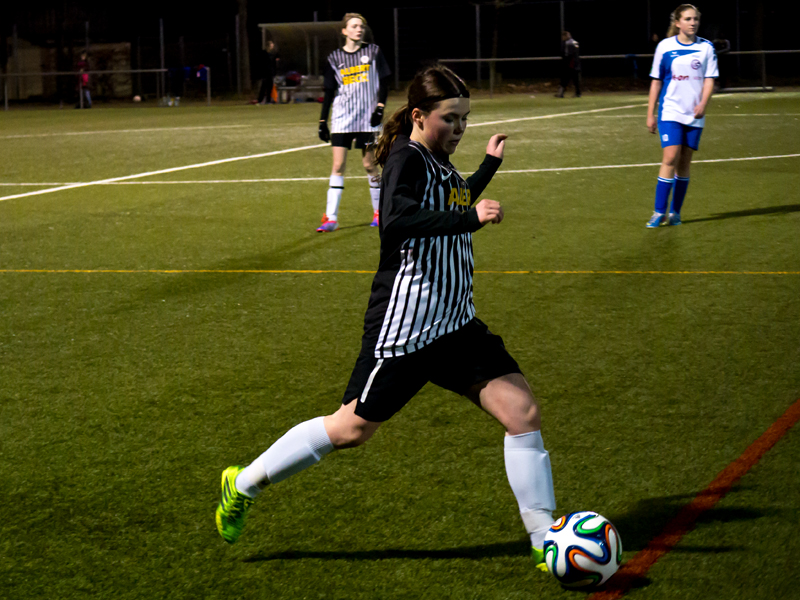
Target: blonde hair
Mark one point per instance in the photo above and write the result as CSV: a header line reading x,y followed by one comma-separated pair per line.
x,y
676,15
349,16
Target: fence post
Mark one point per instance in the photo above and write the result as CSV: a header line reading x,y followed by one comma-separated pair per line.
x,y
492,66
161,40
478,41
764,70
208,84
396,52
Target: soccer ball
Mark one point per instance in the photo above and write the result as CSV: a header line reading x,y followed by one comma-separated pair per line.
x,y
582,549
137,98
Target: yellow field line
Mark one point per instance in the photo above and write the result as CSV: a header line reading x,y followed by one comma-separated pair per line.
x,y
354,271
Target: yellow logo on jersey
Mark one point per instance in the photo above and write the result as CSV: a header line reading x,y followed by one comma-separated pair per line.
x,y
357,74
459,196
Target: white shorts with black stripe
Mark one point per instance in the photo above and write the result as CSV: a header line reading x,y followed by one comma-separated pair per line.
x,y
456,361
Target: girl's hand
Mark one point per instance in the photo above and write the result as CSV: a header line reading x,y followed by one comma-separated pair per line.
x,y
652,124
489,211
496,145
700,111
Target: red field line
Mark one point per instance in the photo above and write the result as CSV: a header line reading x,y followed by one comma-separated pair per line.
x,y
635,569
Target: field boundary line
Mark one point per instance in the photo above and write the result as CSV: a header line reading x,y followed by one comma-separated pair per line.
x,y
100,131
686,519
262,155
372,272
553,116
308,179
161,171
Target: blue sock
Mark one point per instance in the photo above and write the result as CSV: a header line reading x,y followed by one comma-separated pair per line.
x,y
681,183
663,188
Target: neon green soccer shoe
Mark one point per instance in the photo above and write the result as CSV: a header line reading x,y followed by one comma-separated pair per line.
x,y
538,559
232,509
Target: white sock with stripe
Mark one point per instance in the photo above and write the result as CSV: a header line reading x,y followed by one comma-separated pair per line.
x,y
301,447
531,479
335,189
375,191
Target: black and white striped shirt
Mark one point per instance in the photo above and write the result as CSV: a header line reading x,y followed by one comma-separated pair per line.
x,y
356,78
423,287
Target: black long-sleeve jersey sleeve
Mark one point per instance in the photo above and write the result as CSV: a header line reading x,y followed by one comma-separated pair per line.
x,y
423,286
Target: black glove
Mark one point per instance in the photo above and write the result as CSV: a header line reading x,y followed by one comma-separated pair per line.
x,y
324,132
377,116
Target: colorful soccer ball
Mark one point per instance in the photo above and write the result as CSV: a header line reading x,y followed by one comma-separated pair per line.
x,y
582,549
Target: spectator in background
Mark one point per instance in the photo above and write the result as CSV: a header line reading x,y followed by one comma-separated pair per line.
x,y
84,95
654,40
570,65
269,70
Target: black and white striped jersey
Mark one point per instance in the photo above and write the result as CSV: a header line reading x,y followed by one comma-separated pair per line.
x,y
356,78
423,287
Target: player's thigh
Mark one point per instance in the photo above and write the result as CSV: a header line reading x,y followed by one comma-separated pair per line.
x,y
379,387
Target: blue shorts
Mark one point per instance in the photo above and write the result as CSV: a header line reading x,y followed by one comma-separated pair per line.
x,y
673,133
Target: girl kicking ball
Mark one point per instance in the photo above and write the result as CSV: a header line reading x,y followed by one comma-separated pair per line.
x,y
420,324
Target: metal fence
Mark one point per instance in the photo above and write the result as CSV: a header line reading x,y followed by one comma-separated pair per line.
x,y
739,71
165,86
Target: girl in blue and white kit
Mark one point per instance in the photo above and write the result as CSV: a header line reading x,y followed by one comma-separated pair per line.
x,y
684,69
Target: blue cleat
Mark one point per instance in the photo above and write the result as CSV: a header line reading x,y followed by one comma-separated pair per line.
x,y
655,220
674,218
375,219
327,225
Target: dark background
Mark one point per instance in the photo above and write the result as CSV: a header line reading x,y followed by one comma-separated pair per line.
x,y
196,33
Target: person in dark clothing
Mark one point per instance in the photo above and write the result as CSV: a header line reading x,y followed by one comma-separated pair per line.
x,y
570,65
84,95
270,68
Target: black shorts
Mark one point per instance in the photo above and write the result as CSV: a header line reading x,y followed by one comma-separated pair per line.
x,y
456,361
363,139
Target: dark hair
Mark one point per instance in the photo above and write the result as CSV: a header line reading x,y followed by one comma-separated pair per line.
x,y
431,85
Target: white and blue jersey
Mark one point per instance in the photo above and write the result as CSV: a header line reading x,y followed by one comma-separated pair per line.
x,y
683,68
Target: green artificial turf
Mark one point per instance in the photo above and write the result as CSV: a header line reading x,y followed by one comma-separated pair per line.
x,y
154,333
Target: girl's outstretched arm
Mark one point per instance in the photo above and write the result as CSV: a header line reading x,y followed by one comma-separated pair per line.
x,y
478,181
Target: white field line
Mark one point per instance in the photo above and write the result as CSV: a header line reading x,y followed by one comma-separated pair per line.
x,y
506,172
97,132
127,178
553,116
713,116
159,172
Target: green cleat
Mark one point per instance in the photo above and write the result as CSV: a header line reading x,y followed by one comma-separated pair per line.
x,y
538,559
232,509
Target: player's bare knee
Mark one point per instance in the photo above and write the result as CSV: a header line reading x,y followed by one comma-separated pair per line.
x,y
523,420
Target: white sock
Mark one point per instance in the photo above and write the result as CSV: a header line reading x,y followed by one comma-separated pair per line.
x,y
375,191
299,448
531,479
335,189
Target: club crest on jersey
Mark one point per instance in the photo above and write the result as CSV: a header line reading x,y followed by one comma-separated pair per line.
x,y
696,64
365,59
459,196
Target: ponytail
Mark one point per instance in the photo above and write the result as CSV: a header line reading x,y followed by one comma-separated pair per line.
x,y
398,123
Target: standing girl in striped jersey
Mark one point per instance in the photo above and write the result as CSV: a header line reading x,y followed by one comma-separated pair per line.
x,y
356,82
684,69
420,324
